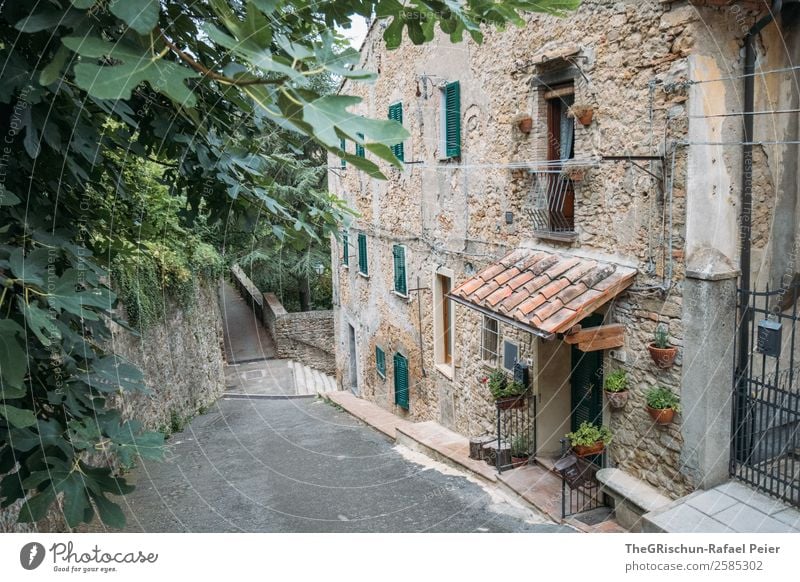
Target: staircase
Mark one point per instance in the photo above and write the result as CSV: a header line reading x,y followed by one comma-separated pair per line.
x,y
309,382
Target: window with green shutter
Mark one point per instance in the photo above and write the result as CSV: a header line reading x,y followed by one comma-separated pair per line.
x,y
362,254
380,362
343,147
345,248
400,283
359,147
396,114
401,381
451,125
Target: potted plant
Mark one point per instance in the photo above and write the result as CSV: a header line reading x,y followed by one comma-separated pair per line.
x,y
506,394
662,353
524,122
520,450
589,439
662,404
583,113
616,388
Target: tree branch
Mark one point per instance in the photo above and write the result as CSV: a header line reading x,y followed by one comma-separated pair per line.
x,y
200,68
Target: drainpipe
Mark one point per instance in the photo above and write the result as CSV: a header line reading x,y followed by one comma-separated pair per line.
x,y
747,177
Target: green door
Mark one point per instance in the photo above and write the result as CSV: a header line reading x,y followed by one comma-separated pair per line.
x,y
586,380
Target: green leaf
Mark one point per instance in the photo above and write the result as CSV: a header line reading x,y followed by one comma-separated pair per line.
x,y
7,198
13,359
135,65
30,268
110,512
52,72
66,297
35,508
83,4
112,372
17,417
40,322
140,15
76,500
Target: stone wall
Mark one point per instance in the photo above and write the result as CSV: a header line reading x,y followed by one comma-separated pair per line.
x,y
634,58
182,360
304,337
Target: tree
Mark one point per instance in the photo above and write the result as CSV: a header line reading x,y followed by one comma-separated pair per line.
x,y
89,89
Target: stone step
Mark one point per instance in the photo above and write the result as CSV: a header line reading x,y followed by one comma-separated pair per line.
x,y
309,380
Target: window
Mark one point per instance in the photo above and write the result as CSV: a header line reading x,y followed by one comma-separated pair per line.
x,y
560,147
359,147
510,354
396,114
400,279
380,362
401,381
489,338
345,248
362,254
450,144
443,323
343,147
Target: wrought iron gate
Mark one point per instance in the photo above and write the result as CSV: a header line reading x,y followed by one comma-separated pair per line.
x,y
765,443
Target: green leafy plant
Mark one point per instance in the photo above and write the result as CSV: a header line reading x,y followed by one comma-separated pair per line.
x,y
515,388
661,337
588,434
497,382
520,446
661,398
617,381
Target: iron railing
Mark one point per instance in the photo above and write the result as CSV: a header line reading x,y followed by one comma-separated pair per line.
x,y
580,489
765,444
552,201
516,430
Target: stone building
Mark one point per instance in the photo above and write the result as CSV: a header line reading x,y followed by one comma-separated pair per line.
x,y
576,171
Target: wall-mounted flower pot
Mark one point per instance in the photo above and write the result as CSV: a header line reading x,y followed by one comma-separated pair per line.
x,y
617,400
586,450
583,113
524,123
661,415
510,402
663,357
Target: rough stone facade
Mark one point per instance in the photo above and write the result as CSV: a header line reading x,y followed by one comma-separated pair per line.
x,y
304,337
182,361
639,63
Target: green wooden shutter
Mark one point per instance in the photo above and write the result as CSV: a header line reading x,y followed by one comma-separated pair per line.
x,y
380,362
359,147
362,253
399,254
345,248
343,147
396,114
401,381
452,99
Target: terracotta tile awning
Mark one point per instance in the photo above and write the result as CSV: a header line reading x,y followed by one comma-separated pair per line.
x,y
544,292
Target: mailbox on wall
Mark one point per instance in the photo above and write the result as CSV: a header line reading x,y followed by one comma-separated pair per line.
x,y
768,341
521,373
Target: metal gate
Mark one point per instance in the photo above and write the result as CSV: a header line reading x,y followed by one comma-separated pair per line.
x,y
765,444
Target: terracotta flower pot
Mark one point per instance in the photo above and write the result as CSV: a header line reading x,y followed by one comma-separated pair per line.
x,y
617,400
525,124
661,415
585,117
510,402
586,450
518,461
663,357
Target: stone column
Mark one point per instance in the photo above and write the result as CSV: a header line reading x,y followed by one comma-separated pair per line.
x,y
709,311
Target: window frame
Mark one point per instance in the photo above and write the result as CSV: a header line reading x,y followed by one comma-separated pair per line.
x,y
380,362
555,101
446,114
444,323
485,330
503,355
404,293
363,267
345,249
396,114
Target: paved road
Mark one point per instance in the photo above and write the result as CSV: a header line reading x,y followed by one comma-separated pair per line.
x,y
301,465
246,339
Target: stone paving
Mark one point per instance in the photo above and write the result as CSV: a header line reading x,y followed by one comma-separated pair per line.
x,y
302,465
246,339
727,508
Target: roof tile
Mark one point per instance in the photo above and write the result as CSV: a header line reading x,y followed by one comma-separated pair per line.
x,y
498,296
506,276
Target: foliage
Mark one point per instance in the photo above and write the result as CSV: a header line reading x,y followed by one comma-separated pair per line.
x,y
520,446
661,337
588,434
501,387
89,90
661,398
617,381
